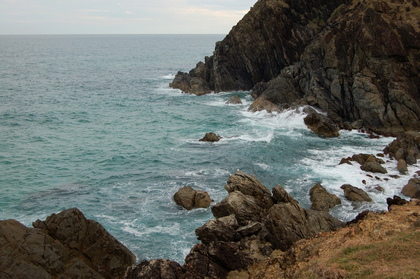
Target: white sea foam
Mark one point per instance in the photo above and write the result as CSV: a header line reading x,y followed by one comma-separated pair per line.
x,y
169,76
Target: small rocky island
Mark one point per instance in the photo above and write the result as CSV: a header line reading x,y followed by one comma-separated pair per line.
x,y
355,64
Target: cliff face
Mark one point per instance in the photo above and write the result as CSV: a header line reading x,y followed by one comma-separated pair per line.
x,y
271,36
364,66
357,60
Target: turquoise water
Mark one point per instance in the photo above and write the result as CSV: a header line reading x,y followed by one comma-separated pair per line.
x,y
90,122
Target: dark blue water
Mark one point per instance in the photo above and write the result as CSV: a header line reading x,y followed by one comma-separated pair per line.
x,y
90,122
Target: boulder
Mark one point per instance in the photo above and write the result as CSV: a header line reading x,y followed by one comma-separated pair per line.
x,y
320,124
89,241
243,207
235,100
412,189
261,104
249,185
219,229
321,199
31,253
373,167
396,200
405,147
355,194
287,222
211,137
156,269
402,166
189,198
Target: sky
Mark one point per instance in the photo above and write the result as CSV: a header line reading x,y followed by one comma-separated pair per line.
x,y
121,16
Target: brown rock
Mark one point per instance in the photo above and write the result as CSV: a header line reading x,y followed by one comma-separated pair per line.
x,y
156,269
235,100
211,137
31,253
355,194
412,189
189,198
402,166
373,167
321,124
220,229
249,185
89,241
244,207
261,104
321,199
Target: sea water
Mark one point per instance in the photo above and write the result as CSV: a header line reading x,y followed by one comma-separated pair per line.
x,y
90,122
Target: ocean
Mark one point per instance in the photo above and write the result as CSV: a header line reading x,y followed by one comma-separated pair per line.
x,y
90,122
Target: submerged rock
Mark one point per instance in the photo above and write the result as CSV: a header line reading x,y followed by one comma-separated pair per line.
x,y
235,100
211,137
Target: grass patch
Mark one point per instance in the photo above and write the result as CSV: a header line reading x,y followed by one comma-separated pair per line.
x,y
395,258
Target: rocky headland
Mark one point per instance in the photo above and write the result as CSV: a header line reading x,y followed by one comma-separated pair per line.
x,y
355,64
356,60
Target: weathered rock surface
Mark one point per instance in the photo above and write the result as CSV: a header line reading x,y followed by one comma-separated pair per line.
x,y
321,124
250,222
355,194
189,198
211,137
308,54
156,269
412,189
66,245
235,100
271,36
337,254
321,199
406,147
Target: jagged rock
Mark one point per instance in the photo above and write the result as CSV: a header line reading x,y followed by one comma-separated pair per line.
x,y
249,185
402,166
288,222
31,253
272,35
156,269
412,189
244,207
373,167
189,198
220,229
321,124
235,100
405,147
262,104
321,199
355,194
89,241
396,200
211,137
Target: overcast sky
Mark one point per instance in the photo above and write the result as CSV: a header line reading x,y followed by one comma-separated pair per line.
x,y
121,16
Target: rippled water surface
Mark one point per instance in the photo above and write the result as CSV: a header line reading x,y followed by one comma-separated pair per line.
x,y
90,122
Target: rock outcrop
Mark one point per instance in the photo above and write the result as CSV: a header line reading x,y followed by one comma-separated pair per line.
x,y
66,245
355,194
412,189
189,198
321,199
271,36
250,222
211,137
356,60
379,245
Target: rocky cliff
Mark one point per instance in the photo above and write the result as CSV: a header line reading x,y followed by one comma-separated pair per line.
x,y
271,36
357,60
